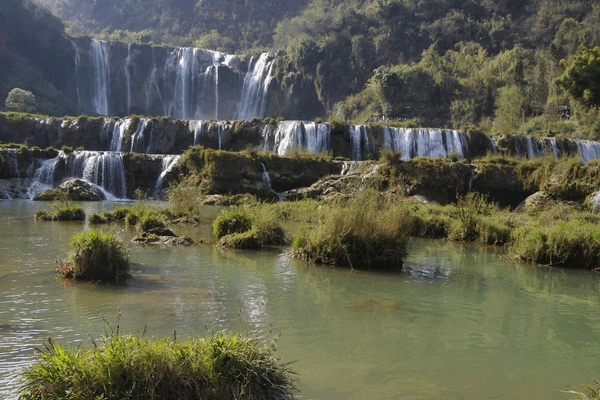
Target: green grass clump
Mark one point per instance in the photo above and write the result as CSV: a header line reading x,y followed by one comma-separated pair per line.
x,y
96,256
573,243
231,221
366,231
218,367
96,218
61,213
250,226
150,221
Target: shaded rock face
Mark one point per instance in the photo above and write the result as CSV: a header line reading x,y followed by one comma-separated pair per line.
x,y
501,183
74,190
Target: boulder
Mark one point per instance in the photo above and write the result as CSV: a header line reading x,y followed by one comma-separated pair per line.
x,y
535,202
163,236
73,190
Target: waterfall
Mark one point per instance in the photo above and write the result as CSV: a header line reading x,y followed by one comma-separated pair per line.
x,y
588,150
151,83
168,163
359,139
118,133
77,64
103,169
44,177
493,145
254,90
265,176
288,137
456,142
200,128
191,76
555,149
318,137
297,135
349,167
137,138
101,77
219,128
533,149
128,78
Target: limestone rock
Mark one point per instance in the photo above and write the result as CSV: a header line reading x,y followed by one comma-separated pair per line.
x,y
74,190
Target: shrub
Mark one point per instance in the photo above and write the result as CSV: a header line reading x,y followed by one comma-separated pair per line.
x,y
150,221
218,367
96,256
572,243
366,231
231,221
61,213
96,218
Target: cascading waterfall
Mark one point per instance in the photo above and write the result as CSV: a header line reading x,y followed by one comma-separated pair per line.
x,y
533,150
425,142
359,139
265,176
588,150
99,50
44,177
255,89
151,83
200,128
103,169
77,64
137,138
168,163
128,79
190,75
289,136
119,129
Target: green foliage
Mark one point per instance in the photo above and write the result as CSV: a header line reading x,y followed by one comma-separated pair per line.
x,y
362,232
21,101
250,226
581,78
96,256
220,366
61,211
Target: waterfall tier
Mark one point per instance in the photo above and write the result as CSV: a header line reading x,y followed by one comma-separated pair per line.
x,y
185,82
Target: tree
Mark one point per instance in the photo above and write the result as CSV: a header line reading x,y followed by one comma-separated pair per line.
x,y
21,100
581,78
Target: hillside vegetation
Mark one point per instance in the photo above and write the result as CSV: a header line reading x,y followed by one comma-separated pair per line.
x,y
528,66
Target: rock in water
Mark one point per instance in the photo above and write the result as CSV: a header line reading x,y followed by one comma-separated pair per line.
x,y
74,190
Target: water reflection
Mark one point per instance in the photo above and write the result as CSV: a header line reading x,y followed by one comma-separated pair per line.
x,y
458,322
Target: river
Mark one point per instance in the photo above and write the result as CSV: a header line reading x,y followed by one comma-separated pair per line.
x,y
460,322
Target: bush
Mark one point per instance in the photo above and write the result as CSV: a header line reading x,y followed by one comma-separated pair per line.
x,y
61,213
366,231
251,226
21,101
572,243
218,367
150,221
96,218
96,256
231,221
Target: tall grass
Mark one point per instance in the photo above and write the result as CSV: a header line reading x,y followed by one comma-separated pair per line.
x,y
367,231
96,256
218,367
250,226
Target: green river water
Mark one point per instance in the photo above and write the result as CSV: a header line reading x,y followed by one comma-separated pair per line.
x,y
459,322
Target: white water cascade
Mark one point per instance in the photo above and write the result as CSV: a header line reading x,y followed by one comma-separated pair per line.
x,y
293,136
137,138
118,133
265,176
191,79
99,50
168,163
128,79
103,169
256,84
359,139
77,64
588,150
151,84
425,142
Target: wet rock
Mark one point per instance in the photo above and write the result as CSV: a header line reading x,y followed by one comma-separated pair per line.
x,y
163,236
74,190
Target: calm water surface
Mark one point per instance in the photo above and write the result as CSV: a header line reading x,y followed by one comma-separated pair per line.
x,y
458,323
